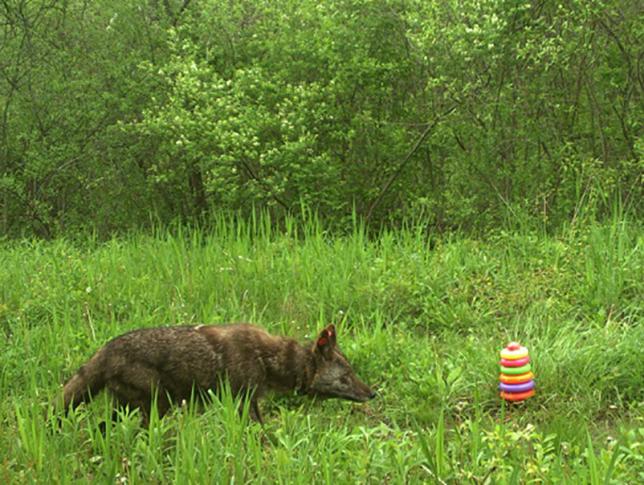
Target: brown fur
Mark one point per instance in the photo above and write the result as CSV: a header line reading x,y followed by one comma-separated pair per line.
x,y
172,362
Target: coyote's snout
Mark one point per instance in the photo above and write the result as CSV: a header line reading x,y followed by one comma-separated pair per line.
x,y
173,362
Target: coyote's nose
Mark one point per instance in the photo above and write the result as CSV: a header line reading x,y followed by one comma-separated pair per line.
x,y
373,394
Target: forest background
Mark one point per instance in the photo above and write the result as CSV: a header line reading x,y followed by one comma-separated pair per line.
x,y
119,114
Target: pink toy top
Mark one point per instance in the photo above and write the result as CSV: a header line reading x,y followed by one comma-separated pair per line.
x,y
514,351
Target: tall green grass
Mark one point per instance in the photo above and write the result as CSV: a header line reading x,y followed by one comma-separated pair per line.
x,y
422,323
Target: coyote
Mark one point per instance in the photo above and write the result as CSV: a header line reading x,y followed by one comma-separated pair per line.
x,y
171,362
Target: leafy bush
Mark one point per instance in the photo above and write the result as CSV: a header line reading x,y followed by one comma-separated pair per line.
x,y
456,114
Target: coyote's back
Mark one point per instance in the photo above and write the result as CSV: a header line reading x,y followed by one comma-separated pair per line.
x,y
136,364
172,363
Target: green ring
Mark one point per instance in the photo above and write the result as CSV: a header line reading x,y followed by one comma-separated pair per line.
x,y
516,370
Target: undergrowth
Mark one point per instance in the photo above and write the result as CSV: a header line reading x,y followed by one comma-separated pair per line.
x,y
422,321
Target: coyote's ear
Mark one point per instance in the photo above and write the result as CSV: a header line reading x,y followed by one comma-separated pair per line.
x,y
326,341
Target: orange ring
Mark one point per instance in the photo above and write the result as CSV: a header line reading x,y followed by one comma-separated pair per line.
x,y
516,379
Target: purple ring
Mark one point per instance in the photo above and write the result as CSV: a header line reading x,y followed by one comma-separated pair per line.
x,y
526,386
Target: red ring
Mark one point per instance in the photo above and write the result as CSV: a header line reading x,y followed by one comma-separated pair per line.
x,y
517,396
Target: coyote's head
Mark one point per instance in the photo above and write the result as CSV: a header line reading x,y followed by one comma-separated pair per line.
x,y
334,376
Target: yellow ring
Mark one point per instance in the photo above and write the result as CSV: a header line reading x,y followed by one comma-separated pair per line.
x,y
520,353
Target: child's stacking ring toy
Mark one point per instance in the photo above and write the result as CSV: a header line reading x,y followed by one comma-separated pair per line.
x,y
516,376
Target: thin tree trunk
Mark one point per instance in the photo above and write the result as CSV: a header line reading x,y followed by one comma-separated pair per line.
x,y
200,199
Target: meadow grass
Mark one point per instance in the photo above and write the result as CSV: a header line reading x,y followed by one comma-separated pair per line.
x,y
423,323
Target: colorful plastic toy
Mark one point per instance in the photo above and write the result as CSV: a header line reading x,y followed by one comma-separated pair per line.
x,y
517,379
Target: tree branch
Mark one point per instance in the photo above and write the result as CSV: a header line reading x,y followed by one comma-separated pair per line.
x,y
252,174
385,188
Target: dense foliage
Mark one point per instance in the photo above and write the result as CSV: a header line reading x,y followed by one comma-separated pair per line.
x,y
461,113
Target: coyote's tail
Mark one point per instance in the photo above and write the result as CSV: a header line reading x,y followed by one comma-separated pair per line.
x,y
87,382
